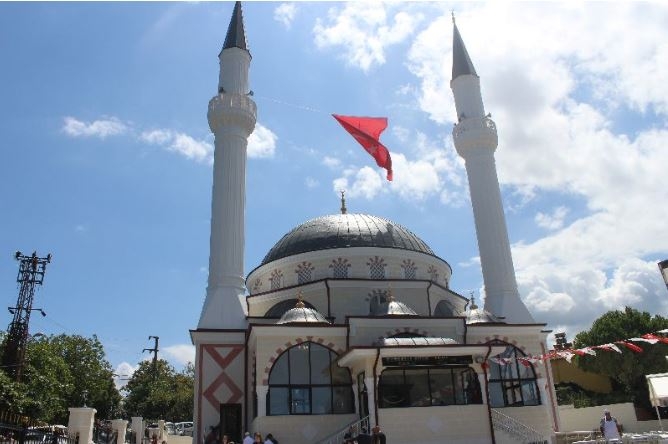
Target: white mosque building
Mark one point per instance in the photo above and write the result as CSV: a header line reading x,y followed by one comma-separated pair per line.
x,y
349,320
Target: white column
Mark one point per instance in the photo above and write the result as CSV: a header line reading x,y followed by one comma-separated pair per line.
x,y
138,428
483,385
371,394
120,426
262,391
81,423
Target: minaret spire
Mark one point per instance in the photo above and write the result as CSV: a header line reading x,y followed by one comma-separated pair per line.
x,y
476,140
236,36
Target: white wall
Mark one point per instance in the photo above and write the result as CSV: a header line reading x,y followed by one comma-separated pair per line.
x,y
588,418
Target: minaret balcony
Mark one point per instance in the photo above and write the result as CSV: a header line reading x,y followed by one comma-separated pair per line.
x,y
475,133
232,110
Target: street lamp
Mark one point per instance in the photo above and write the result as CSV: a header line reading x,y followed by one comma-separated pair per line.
x,y
663,268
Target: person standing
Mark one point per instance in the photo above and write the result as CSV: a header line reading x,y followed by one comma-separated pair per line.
x,y
609,426
248,439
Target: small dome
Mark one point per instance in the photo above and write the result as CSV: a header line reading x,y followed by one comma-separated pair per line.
x,y
345,231
393,308
480,316
302,313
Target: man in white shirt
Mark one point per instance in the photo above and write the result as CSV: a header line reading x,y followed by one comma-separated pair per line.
x,y
247,438
609,427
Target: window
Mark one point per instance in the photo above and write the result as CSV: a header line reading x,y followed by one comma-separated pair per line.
x,y
513,384
424,387
409,269
376,267
305,380
444,309
340,268
304,271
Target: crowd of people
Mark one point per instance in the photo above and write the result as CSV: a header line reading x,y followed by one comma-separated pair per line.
x,y
363,437
212,438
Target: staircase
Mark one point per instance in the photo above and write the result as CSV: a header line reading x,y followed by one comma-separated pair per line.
x,y
337,437
520,433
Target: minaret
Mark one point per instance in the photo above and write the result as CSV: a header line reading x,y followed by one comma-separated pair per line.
x,y
476,139
232,116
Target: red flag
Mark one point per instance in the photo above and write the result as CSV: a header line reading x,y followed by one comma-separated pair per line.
x,y
367,130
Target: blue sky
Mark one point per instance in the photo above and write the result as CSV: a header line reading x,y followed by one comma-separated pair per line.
x,y
107,152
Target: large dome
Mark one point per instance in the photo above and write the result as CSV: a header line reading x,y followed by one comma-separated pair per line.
x,y
343,231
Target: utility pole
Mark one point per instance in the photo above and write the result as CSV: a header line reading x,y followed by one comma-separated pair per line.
x,y
154,350
31,273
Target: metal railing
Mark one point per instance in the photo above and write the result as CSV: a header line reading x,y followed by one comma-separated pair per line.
x,y
522,432
354,428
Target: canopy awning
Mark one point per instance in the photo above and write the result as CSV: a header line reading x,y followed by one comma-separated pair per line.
x,y
658,389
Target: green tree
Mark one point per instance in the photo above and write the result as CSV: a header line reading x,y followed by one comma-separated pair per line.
x,y
59,371
159,392
627,369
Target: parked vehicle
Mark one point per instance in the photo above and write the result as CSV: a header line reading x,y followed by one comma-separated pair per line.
x,y
184,428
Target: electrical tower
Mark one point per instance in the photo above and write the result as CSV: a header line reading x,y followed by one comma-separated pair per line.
x,y
153,350
31,273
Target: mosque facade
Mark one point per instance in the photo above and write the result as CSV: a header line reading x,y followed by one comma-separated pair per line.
x,y
350,320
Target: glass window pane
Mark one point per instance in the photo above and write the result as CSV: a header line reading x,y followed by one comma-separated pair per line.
x,y
340,375
526,372
530,393
279,372
299,366
417,382
300,400
343,400
441,387
392,389
472,392
278,401
322,400
494,371
319,364
496,395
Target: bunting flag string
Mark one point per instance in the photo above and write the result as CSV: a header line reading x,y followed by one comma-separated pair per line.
x,y
569,354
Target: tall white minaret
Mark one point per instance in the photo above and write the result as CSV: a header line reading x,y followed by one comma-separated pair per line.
x,y
476,140
232,116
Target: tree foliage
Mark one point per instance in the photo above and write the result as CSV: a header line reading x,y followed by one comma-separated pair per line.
x,y
60,372
627,369
159,392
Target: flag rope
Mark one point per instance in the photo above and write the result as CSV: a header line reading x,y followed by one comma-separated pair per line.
x,y
282,102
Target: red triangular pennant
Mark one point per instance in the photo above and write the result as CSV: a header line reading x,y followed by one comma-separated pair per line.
x,y
367,130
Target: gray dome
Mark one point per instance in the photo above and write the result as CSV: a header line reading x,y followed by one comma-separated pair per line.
x,y
480,316
343,231
393,308
301,313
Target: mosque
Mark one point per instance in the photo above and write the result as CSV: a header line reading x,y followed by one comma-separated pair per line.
x,y
350,320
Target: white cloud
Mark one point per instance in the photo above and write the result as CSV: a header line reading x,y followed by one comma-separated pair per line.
x,y
181,143
365,182
262,143
363,30
101,128
552,221
331,162
285,14
182,353
122,373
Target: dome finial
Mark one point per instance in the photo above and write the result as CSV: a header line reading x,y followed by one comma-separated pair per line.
x,y
390,296
344,210
473,305
300,300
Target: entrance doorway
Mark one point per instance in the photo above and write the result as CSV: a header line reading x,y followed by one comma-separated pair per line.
x,y
230,421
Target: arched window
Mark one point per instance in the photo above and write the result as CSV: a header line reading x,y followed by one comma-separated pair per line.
x,y
280,308
424,387
444,309
513,384
305,380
